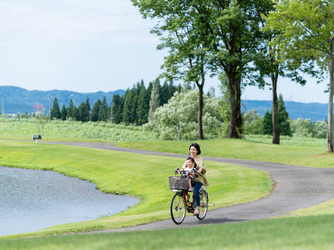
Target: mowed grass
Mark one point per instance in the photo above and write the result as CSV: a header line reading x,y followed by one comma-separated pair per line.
x,y
308,156
57,130
145,177
313,232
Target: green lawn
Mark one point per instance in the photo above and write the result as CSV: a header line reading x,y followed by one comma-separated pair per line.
x,y
303,229
309,156
145,177
313,232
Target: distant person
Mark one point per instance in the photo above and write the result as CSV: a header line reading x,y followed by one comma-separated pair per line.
x,y
200,180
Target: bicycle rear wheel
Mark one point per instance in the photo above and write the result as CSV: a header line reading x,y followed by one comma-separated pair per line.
x,y
178,209
203,209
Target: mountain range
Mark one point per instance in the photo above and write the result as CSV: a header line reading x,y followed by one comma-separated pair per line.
x,y
14,100
314,111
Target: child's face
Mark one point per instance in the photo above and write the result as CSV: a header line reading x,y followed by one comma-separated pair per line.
x,y
189,163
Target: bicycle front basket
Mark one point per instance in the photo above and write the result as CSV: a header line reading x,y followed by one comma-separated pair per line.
x,y
178,183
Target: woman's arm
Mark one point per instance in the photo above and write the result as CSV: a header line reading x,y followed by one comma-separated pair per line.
x,y
201,166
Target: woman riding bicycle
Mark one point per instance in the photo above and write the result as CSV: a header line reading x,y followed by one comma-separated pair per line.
x,y
200,180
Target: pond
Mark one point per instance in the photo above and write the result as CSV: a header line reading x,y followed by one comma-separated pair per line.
x,y
31,200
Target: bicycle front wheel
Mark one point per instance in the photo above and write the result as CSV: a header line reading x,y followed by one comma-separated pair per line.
x,y
203,209
178,209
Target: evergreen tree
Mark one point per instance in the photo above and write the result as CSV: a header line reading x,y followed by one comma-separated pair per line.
x,y
128,107
154,101
142,109
87,104
75,113
63,113
267,125
103,110
69,109
283,118
96,110
55,113
117,108
164,93
83,113
134,105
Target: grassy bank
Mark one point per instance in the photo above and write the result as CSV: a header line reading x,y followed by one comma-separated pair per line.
x,y
313,232
310,156
145,177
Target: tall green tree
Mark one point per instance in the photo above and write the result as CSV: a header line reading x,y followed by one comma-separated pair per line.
x,y
306,31
103,110
117,108
267,126
283,118
96,111
143,105
63,113
83,113
69,109
217,35
75,113
129,106
55,113
88,108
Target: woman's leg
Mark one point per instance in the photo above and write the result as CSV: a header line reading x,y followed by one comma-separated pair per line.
x,y
197,187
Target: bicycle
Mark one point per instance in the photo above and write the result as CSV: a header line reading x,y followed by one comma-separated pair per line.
x,y
180,201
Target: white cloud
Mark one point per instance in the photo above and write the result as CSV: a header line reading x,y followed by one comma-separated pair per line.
x,y
72,21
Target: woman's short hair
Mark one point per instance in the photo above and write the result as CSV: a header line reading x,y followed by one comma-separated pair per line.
x,y
197,148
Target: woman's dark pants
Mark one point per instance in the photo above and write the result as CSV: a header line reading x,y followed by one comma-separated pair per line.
x,y
197,187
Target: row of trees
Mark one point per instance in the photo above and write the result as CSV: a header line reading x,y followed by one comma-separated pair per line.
x,y
136,106
139,103
247,41
100,111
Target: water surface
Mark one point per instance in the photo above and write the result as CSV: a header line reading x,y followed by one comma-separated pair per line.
x,y
33,199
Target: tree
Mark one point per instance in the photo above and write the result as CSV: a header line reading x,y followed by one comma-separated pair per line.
x,y
83,113
69,109
283,118
182,108
306,31
75,113
103,110
143,105
88,109
55,113
267,126
63,113
96,111
154,101
215,35
117,108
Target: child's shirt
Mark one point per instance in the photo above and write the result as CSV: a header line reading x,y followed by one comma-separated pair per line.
x,y
188,170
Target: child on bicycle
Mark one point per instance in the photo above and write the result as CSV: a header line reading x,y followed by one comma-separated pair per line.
x,y
190,170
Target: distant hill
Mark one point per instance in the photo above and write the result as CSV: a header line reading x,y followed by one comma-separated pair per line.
x,y
314,111
14,99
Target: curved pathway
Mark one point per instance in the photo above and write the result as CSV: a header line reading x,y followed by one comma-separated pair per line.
x,y
295,188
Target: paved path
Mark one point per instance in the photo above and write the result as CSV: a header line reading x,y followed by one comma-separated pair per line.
x,y
296,188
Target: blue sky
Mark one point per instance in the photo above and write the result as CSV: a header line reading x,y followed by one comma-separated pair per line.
x,y
94,45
